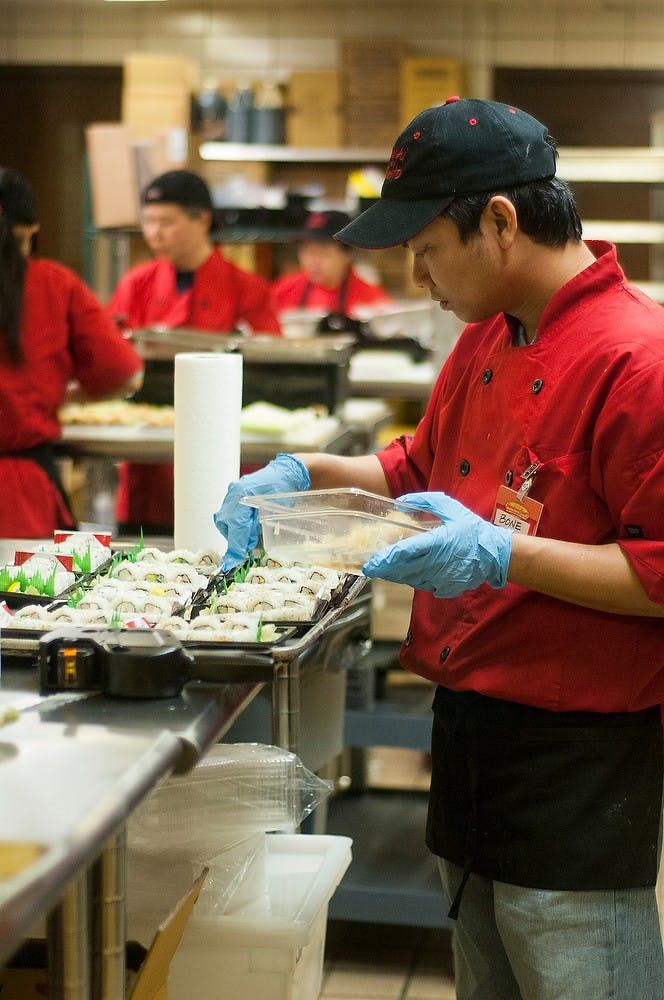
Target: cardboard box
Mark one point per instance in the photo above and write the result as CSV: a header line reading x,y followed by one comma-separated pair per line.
x,y
390,610
315,92
322,131
113,178
426,82
157,93
313,116
25,975
149,110
143,70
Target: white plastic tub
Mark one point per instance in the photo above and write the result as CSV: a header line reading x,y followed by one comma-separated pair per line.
x,y
272,948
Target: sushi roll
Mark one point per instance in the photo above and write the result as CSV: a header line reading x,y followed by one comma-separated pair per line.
x,y
207,625
155,607
93,616
185,556
207,561
96,602
150,554
129,603
30,611
189,576
173,623
30,616
230,602
64,615
127,570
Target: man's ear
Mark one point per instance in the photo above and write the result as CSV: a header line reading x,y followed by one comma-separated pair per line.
x,y
501,219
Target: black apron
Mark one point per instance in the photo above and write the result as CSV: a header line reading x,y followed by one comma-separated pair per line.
x,y
547,800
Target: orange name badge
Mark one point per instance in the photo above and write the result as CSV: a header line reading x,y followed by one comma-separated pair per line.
x,y
522,515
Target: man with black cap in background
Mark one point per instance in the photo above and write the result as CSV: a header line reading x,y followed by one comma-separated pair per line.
x,y
539,601
188,284
326,281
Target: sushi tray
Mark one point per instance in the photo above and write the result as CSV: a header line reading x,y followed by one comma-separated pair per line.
x,y
53,571
291,595
255,609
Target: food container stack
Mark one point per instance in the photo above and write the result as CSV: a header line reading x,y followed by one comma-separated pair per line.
x,y
258,927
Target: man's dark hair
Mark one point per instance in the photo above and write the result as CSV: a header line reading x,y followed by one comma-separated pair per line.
x,y
546,211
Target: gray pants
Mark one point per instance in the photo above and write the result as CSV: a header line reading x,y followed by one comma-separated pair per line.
x,y
512,943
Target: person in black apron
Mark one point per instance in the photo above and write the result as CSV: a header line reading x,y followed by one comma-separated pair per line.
x,y
57,343
538,605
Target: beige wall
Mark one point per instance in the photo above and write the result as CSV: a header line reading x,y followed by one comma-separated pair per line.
x,y
251,40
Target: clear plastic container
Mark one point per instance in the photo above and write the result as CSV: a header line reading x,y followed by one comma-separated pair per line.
x,y
340,529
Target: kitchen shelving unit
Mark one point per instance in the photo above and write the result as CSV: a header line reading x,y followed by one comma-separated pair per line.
x,y
393,878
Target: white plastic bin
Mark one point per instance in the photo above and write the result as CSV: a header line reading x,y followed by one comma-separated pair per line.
x,y
272,948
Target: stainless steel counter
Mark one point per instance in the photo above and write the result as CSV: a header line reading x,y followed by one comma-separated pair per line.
x,y
155,444
74,766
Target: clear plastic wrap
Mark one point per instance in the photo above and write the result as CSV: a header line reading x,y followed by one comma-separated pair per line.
x,y
216,817
235,790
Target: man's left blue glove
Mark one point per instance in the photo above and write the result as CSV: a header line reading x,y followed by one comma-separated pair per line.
x,y
462,553
239,523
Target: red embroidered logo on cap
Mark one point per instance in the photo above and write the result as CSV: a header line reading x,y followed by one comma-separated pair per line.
x,y
472,121
417,135
394,170
316,221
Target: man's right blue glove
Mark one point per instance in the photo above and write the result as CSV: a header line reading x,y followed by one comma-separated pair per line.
x,y
239,523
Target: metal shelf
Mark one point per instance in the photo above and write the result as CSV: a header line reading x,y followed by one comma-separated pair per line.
x,y
620,164
402,719
253,152
392,879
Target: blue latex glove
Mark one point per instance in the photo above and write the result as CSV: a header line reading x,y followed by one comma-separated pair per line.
x,y
462,553
239,523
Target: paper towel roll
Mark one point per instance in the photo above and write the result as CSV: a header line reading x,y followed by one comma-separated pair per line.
x,y
208,403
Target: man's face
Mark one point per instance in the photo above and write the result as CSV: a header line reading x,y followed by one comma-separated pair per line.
x,y
174,233
325,263
465,278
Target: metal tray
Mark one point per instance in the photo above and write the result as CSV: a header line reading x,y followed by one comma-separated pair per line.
x,y
21,646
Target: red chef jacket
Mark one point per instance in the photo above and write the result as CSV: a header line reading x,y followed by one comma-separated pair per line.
x,y
222,296
585,401
65,334
295,291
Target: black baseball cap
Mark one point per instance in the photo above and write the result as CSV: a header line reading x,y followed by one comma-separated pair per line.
x,y
320,227
464,146
17,201
178,187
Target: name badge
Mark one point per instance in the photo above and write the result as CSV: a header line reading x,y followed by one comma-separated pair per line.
x,y
518,514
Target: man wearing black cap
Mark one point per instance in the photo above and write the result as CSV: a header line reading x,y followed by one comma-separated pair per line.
x,y
538,602
188,284
327,282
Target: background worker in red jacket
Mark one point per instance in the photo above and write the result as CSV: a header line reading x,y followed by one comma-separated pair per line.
x,y
326,282
538,607
188,284
57,343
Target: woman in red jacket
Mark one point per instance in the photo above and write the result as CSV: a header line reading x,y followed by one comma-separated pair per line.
x,y
188,284
56,343
326,282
